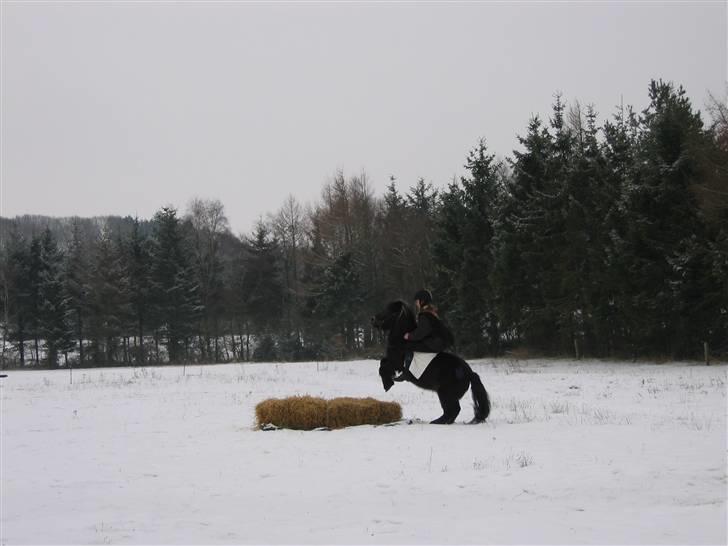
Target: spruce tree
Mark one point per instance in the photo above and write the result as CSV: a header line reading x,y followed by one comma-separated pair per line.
x,y
479,325
18,290
176,303
54,312
522,256
76,278
109,300
36,269
447,254
393,242
668,243
340,300
262,286
138,265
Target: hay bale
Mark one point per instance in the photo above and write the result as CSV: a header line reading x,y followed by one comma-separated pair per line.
x,y
297,412
346,412
307,412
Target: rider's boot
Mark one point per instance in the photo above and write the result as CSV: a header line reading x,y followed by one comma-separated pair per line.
x,y
408,356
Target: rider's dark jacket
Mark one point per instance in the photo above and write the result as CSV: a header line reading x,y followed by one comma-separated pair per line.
x,y
427,337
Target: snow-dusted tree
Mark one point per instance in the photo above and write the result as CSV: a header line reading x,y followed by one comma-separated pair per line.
x,y
261,288
521,258
463,253
177,307
54,312
76,281
668,243
109,307
17,290
138,265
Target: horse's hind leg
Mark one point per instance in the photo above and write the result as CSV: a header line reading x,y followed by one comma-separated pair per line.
x,y
450,407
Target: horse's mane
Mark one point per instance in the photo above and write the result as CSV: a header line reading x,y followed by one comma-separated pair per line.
x,y
407,310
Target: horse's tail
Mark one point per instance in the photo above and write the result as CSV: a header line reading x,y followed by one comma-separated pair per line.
x,y
481,401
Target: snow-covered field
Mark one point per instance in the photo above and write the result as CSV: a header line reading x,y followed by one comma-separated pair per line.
x,y
573,453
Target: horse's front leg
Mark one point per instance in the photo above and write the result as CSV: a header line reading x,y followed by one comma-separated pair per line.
x,y
386,372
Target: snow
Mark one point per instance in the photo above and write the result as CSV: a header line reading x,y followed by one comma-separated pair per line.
x,y
573,453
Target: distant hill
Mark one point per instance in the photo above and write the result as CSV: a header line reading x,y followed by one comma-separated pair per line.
x,y
62,228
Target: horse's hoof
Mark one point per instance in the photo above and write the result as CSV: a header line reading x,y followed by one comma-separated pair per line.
x,y
441,421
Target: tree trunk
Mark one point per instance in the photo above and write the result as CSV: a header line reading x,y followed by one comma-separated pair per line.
x,y
141,342
232,335
706,352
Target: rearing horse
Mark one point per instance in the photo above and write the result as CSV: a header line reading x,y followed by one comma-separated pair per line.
x,y
447,374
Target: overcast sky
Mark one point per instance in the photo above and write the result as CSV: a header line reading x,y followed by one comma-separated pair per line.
x,y
124,107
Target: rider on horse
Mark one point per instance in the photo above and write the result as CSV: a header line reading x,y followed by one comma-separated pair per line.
x,y
431,334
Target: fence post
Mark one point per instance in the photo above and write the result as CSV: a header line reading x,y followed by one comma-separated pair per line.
x,y
706,352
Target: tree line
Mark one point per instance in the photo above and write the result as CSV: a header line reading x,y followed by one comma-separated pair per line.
x,y
603,240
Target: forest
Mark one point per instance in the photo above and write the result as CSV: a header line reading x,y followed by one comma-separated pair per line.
x,y
593,239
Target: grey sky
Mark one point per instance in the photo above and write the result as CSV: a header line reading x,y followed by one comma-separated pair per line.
x,y
121,108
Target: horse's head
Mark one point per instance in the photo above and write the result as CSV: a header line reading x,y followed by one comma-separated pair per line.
x,y
396,318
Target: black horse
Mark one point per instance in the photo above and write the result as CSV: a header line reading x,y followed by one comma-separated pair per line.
x,y
447,374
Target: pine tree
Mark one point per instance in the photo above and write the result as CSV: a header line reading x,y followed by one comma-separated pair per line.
x,y
667,240
585,201
176,303
17,292
138,267
36,269
421,202
393,233
109,300
616,320
447,252
262,286
522,256
340,300
481,193
76,278
53,324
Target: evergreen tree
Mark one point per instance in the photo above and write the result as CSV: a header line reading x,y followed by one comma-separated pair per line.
x,y
76,278
616,320
36,270
521,259
393,222
17,291
109,305
463,252
585,201
262,287
667,240
138,260
340,301
447,254
481,194
53,318
421,202
176,303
